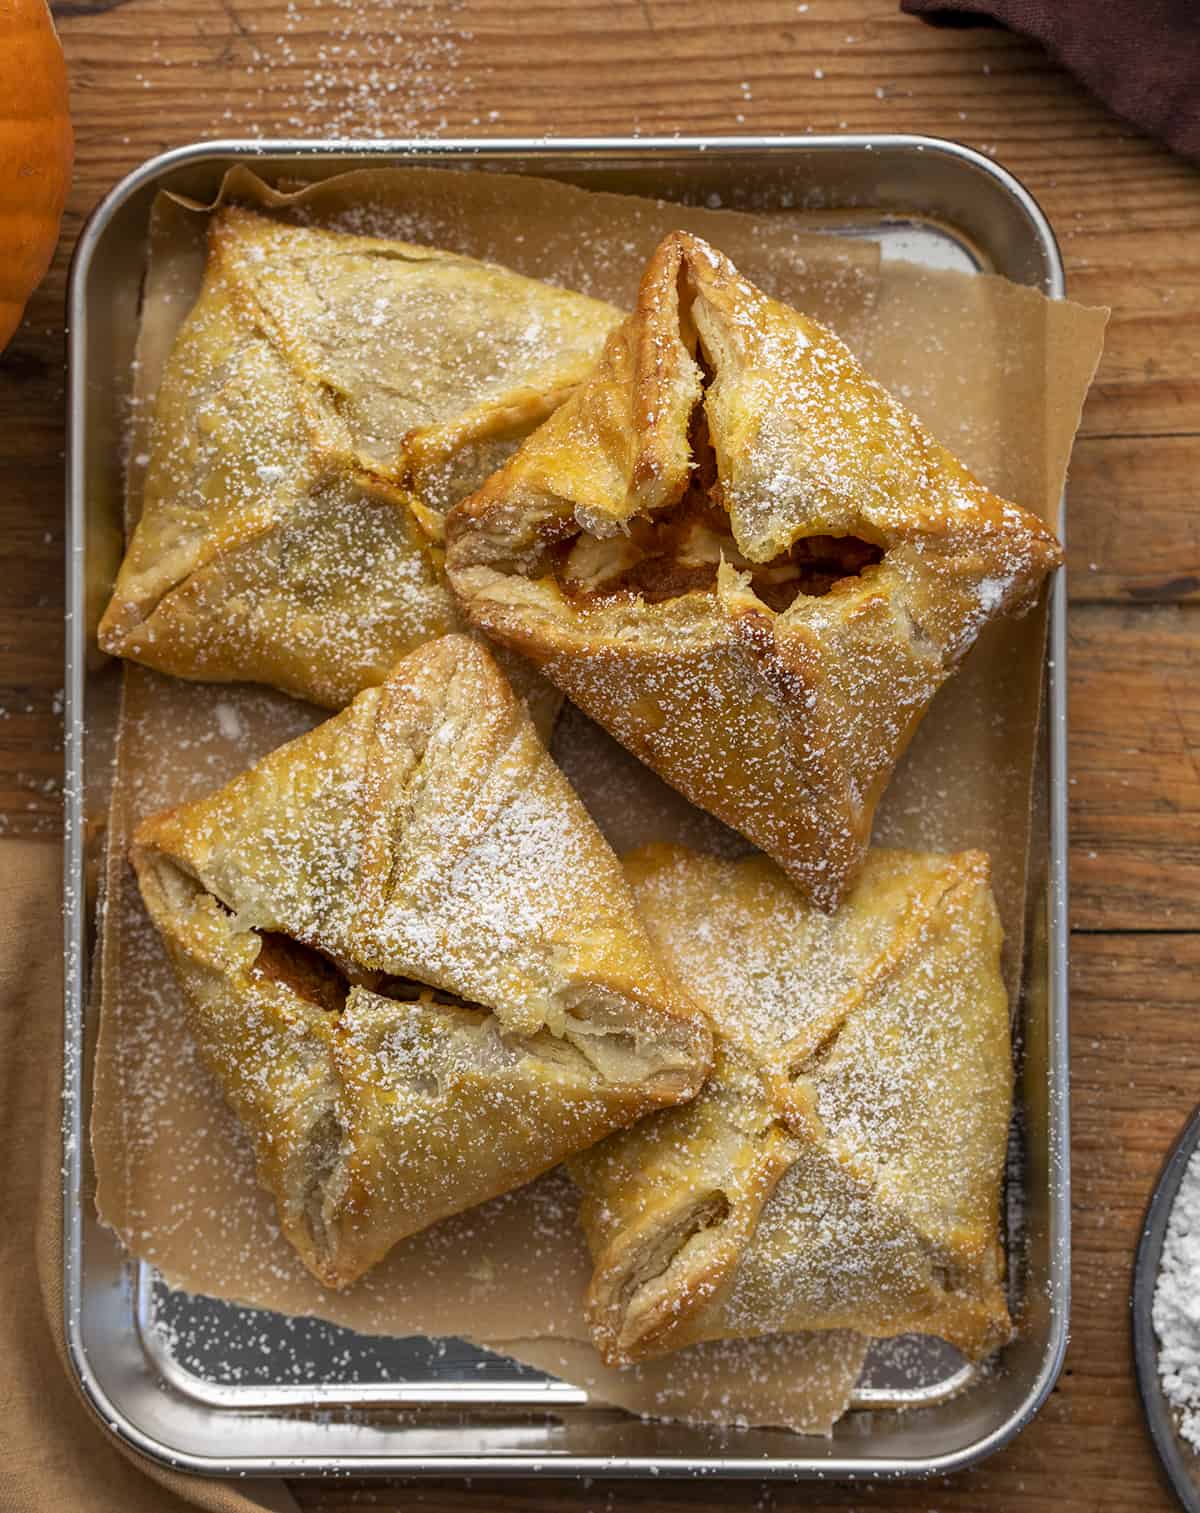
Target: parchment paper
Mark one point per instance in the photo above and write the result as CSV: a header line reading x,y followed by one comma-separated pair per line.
x,y
997,372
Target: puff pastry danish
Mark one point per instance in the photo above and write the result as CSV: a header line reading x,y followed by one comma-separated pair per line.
x,y
842,1167
412,961
736,551
327,397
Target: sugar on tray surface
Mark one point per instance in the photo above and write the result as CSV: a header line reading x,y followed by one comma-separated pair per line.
x,y
1177,1306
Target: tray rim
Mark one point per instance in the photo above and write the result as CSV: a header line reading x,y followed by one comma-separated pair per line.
x,y
463,149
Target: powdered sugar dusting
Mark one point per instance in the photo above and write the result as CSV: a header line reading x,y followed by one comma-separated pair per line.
x,y
667,581
328,396
229,722
879,1054
369,68
793,966
321,907
461,1253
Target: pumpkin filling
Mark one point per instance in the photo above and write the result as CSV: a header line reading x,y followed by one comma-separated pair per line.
x,y
319,980
306,972
679,551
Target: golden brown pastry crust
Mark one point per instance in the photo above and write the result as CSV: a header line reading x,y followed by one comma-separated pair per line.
x,y
412,961
842,1167
740,554
328,396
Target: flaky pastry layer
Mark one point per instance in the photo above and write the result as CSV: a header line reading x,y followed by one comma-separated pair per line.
x,y
412,961
842,1167
747,560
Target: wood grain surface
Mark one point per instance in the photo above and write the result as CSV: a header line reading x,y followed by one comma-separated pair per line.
x,y
151,74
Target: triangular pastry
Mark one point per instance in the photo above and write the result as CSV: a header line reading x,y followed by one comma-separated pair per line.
x,y
412,961
327,397
736,551
842,1167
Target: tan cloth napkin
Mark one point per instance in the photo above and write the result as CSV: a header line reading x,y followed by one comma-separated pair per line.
x,y
53,1455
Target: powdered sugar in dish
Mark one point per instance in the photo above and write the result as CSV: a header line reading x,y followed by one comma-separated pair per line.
x,y
1177,1306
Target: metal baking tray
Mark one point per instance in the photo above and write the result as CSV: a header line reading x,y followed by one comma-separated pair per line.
x,y
217,1389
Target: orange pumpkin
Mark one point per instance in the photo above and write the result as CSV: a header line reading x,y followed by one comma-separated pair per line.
x,y
36,151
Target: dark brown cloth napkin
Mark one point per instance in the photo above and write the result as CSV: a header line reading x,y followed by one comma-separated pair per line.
x,y
1142,57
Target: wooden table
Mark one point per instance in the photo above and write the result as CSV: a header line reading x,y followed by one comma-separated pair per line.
x,y
150,74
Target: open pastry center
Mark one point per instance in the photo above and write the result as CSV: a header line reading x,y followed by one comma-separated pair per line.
x,y
323,982
305,972
679,550
589,1043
